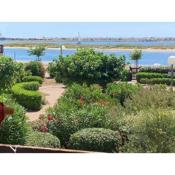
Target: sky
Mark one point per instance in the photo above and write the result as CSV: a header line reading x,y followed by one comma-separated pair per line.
x,y
87,29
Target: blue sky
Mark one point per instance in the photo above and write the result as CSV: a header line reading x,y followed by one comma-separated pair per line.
x,y
87,29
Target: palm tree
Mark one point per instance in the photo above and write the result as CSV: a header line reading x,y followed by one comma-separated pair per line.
x,y
37,51
136,55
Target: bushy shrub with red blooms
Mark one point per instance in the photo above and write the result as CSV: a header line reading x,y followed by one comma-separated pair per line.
x,y
42,124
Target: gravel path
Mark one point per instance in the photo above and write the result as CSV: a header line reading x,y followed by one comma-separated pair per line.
x,y
52,91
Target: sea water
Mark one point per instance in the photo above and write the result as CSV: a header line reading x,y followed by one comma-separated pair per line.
x,y
148,57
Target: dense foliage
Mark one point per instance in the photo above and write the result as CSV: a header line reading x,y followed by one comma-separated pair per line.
x,y
151,131
151,97
26,94
8,73
13,129
36,68
121,91
96,139
88,66
41,139
80,107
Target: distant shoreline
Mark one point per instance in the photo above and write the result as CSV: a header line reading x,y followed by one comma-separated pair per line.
x,y
104,49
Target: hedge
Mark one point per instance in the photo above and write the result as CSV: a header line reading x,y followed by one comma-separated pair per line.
x,y
148,75
166,81
157,69
95,139
26,95
33,78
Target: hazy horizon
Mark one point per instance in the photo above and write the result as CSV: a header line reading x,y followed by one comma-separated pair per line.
x,y
87,29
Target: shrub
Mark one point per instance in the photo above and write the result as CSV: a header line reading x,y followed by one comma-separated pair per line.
x,y
52,68
21,73
80,107
146,75
154,97
151,131
41,139
121,91
13,129
8,73
66,123
96,139
27,96
155,69
127,75
36,68
89,66
166,81
33,78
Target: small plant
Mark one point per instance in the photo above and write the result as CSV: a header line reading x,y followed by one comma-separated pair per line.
x,y
136,55
41,139
37,51
96,139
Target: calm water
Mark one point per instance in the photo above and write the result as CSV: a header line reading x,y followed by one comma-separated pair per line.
x,y
148,58
140,43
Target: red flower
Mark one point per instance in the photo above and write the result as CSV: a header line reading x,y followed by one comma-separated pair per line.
x,y
50,117
81,100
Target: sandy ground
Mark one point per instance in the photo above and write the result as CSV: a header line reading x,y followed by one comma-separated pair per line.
x,y
51,91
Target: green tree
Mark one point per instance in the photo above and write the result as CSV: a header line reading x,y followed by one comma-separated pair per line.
x,y
37,51
89,66
136,55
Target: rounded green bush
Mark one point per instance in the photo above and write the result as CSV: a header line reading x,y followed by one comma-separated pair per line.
x,y
41,139
89,66
36,68
26,94
14,128
96,139
33,78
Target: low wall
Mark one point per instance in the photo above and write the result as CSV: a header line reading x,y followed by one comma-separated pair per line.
x,y
4,148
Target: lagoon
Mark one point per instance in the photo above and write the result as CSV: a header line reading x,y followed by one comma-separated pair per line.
x,y
148,58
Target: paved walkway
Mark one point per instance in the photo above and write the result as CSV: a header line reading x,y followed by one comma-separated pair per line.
x,y
51,91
